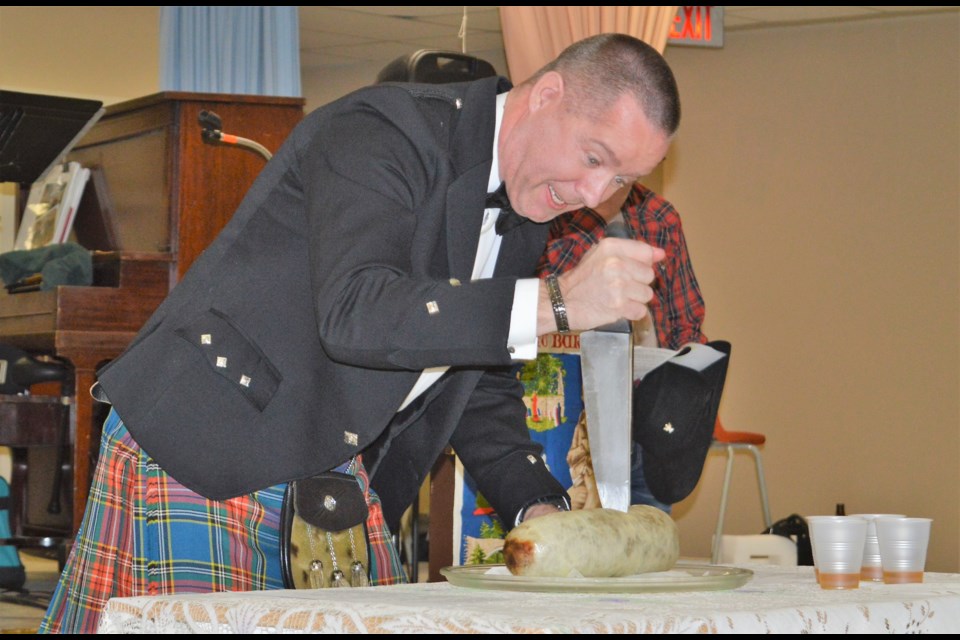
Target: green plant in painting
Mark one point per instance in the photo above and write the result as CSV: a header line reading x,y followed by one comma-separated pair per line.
x,y
540,378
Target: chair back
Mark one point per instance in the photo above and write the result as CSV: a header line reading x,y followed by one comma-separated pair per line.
x,y
19,371
436,67
9,355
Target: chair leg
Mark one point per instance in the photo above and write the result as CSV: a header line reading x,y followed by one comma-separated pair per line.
x,y
762,483
63,552
718,536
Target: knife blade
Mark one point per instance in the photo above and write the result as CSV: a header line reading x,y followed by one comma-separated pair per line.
x,y
606,362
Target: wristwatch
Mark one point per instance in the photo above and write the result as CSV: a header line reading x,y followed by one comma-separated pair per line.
x,y
560,502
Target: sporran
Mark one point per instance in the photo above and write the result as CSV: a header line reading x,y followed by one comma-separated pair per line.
x,y
323,539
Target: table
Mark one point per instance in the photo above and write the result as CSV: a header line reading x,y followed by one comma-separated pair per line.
x,y
776,600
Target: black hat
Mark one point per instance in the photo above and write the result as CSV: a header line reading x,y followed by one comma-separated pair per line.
x,y
674,411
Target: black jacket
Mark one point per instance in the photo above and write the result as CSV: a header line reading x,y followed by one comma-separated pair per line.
x,y
290,343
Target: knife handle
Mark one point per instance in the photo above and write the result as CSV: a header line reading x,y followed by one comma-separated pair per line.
x,y
617,229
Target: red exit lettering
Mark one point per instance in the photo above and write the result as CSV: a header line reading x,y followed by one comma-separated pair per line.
x,y
692,23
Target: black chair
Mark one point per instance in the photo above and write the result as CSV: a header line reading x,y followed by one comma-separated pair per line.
x,y
437,67
28,421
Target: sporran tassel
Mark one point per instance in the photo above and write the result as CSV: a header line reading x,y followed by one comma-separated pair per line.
x,y
358,575
316,575
337,579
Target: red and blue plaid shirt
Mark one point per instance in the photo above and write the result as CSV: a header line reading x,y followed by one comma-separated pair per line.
x,y
677,306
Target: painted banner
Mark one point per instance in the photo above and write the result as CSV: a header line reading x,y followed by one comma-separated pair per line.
x,y
552,393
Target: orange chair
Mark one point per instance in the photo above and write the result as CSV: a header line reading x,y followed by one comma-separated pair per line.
x,y
731,442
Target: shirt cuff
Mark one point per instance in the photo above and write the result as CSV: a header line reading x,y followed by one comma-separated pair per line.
x,y
522,340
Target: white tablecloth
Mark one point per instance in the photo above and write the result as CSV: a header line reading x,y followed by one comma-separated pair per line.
x,y
776,600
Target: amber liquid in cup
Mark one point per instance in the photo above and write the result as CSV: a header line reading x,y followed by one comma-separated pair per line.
x,y
902,577
873,574
839,580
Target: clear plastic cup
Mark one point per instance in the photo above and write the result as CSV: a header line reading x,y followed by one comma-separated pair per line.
x,y
837,543
903,547
871,569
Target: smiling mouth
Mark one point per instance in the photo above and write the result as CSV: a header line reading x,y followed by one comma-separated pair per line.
x,y
557,200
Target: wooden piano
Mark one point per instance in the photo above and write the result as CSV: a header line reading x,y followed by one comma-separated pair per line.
x,y
157,197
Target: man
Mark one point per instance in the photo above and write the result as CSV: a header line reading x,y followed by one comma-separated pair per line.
x,y
361,310
677,308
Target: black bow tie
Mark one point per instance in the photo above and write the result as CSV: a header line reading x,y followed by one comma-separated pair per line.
x,y
508,219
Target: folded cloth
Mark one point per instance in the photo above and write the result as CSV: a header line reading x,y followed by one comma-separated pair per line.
x,y
58,264
674,411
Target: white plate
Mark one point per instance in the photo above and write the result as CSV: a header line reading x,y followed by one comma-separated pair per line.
x,y
683,577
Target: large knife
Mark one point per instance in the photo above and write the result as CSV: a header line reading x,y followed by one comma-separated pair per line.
x,y
606,360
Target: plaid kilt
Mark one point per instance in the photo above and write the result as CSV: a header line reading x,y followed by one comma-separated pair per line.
x,y
143,533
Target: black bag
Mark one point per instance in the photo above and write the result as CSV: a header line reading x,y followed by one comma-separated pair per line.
x,y
795,528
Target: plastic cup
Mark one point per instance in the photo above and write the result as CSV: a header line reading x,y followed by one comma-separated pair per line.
x,y
903,547
871,569
837,543
813,547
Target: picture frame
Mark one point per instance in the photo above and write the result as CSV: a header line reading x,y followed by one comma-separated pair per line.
x,y
51,207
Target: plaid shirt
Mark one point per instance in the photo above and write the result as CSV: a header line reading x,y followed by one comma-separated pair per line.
x,y
677,305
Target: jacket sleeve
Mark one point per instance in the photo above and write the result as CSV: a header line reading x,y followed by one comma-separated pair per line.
x,y
494,445
375,188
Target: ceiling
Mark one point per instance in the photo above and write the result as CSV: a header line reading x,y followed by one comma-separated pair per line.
x,y
332,38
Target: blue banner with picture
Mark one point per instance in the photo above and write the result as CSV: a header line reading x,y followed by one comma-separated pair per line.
x,y
552,393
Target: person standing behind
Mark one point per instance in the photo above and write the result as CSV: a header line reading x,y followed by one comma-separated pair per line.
x,y
677,308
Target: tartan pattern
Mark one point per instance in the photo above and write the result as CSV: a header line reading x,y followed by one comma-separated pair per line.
x,y
677,306
143,533
385,567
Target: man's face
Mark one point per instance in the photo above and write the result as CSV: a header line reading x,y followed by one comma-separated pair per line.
x,y
555,161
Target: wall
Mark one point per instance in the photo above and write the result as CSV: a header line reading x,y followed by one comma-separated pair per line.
x,y
817,170
99,53
319,89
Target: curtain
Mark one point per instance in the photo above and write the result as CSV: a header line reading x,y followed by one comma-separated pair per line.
x,y
533,36
242,50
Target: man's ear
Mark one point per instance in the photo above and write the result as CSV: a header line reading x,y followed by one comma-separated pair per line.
x,y
547,91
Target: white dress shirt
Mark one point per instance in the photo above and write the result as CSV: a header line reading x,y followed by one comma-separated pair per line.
x,y
522,339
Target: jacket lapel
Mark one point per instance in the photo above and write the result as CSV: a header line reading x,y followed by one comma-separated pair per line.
x,y
465,196
471,150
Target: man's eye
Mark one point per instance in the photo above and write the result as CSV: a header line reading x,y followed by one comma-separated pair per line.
x,y
619,181
593,162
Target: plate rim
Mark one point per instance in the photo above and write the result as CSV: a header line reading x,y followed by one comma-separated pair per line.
x,y
729,577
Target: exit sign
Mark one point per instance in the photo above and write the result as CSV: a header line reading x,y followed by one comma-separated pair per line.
x,y
697,27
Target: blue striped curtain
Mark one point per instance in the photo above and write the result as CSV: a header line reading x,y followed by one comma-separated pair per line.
x,y
242,50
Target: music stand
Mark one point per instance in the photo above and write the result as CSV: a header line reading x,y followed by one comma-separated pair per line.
x,y
36,131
